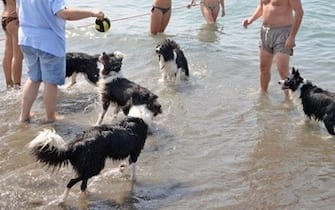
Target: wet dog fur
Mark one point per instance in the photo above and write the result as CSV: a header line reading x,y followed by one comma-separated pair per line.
x,y
172,61
89,150
123,93
83,63
317,103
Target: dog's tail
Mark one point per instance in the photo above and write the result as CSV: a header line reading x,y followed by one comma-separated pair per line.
x,y
49,148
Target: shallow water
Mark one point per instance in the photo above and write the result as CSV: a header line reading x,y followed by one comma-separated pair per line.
x,y
217,145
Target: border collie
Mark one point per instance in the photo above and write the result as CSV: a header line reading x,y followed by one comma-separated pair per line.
x,y
78,62
89,150
317,103
172,62
125,94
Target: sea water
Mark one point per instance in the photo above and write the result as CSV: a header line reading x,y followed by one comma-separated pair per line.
x,y
217,145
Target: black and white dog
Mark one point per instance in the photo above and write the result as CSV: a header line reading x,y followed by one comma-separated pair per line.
x,y
125,94
78,62
317,103
172,62
89,150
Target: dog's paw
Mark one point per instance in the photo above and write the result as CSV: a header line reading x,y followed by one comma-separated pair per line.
x,y
84,195
57,202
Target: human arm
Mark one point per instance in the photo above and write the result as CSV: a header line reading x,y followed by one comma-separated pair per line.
x,y
78,14
223,12
257,13
298,15
192,3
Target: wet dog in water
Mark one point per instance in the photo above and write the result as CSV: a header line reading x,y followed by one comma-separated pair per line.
x,y
125,94
172,62
83,63
90,149
317,103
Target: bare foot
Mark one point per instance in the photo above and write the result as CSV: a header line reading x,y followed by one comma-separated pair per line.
x,y
24,120
57,118
17,86
262,92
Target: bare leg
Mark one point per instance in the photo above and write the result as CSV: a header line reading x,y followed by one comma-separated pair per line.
x,y
50,101
12,60
209,16
16,63
215,13
7,60
282,61
159,21
155,24
265,62
30,92
165,21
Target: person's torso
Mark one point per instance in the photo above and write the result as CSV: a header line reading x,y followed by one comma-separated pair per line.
x,y
9,9
277,13
40,27
162,3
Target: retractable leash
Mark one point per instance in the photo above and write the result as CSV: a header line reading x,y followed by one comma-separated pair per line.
x,y
105,24
102,25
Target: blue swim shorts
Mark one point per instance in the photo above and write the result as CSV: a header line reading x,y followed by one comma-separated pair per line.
x,y
43,66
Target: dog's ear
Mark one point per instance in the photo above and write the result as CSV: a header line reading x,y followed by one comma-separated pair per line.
x,y
297,72
172,43
293,70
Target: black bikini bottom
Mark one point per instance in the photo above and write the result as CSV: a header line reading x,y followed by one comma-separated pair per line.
x,y
6,20
163,10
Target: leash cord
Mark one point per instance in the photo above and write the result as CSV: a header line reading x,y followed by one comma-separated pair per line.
x,y
130,17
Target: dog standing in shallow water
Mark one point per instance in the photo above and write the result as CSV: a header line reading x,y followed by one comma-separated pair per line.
x,y
83,63
125,94
317,103
90,149
172,61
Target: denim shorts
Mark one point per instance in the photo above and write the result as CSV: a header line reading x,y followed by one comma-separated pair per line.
x,y
43,66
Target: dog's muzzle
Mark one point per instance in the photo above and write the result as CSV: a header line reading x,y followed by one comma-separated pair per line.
x,y
158,49
283,86
281,82
101,58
